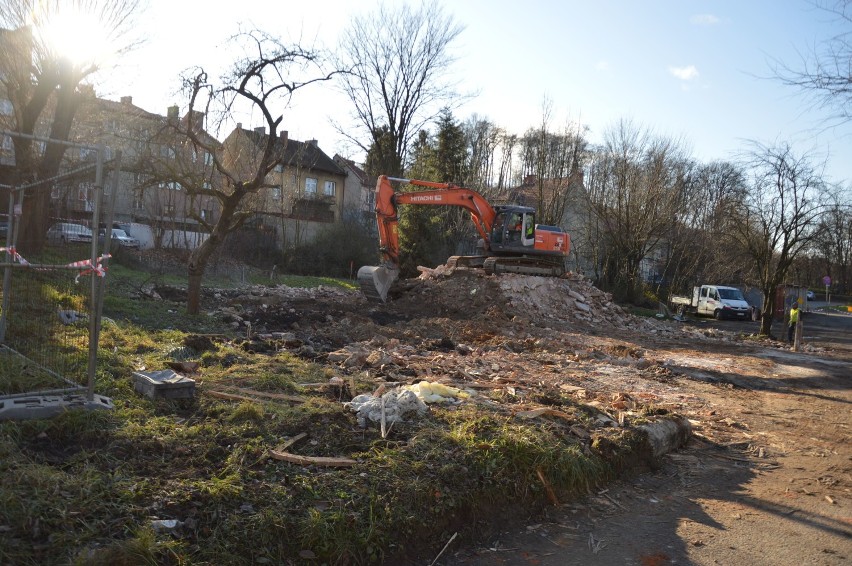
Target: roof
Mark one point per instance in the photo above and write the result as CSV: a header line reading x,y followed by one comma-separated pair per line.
x,y
305,154
363,177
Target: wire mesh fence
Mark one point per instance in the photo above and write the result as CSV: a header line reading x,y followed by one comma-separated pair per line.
x,y
50,307
45,348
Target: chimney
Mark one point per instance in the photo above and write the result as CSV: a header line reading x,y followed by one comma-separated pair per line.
x,y
239,125
197,120
283,135
260,130
313,143
172,112
127,100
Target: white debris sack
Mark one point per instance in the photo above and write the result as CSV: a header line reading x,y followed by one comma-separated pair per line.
x,y
398,403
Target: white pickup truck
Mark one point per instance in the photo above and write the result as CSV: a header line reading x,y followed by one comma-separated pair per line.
x,y
714,300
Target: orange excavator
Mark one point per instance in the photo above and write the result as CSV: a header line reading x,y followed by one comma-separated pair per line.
x,y
511,241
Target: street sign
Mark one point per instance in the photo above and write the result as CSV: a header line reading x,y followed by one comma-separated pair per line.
x,y
826,280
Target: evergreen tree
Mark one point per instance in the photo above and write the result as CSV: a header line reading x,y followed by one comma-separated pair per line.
x,y
430,234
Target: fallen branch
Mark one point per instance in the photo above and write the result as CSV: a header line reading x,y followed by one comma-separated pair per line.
x,y
255,394
292,441
452,538
551,495
328,461
531,414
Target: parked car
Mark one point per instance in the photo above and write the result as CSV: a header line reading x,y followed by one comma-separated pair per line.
x,y
811,296
68,233
119,238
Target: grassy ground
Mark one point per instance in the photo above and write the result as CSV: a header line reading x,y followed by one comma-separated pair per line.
x,y
101,487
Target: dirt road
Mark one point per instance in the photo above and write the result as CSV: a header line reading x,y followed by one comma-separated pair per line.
x,y
766,480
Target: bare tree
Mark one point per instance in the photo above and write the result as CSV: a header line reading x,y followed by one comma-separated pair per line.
x,y
834,241
554,159
43,81
825,72
780,217
713,194
269,74
635,188
395,63
483,139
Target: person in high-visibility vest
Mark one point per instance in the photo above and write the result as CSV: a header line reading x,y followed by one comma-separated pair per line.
x,y
794,320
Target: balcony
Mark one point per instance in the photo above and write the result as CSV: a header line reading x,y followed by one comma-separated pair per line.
x,y
316,208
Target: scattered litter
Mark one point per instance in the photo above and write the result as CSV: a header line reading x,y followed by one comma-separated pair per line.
x,y
595,545
71,317
430,392
165,525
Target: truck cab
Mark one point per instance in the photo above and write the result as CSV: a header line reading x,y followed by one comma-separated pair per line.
x,y
721,302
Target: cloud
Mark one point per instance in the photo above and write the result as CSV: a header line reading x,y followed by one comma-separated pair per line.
x,y
684,73
704,19
602,65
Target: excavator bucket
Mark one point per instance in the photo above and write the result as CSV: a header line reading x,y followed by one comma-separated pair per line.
x,y
376,281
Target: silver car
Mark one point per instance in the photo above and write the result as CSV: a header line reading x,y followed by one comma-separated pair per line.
x,y
119,238
68,233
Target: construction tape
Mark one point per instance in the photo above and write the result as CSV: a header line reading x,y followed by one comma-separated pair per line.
x,y
15,255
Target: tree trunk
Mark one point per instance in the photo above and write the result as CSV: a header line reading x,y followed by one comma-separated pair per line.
x,y
195,271
200,256
768,312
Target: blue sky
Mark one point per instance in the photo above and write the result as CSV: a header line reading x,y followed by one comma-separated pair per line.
x,y
695,70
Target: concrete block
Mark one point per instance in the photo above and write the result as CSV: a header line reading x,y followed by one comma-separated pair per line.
x,y
164,384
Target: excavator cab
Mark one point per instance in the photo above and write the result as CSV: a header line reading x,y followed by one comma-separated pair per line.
x,y
513,229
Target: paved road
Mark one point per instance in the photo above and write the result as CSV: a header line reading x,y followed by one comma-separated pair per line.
x,y
820,326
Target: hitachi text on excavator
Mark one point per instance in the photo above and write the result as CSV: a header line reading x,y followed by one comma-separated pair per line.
x,y
511,241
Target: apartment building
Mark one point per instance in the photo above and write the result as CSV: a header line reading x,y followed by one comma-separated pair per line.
x,y
304,193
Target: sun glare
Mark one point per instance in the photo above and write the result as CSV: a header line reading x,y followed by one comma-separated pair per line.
x,y
77,36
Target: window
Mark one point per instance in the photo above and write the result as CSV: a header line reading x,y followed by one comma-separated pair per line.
x,y
207,186
166,151
279,168
7,143
169,209
208,158
6,107
276,193
84,191
138,203
310,186
54,191
328,189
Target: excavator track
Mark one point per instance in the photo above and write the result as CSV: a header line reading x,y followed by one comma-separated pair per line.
x,y
466,261
548,267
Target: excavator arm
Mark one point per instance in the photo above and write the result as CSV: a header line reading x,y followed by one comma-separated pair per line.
x,y
513,243
375,281
443,194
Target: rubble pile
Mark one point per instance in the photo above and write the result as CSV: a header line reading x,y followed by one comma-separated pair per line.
x,y
539,300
